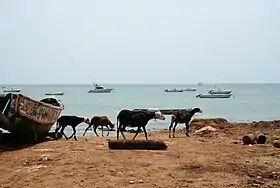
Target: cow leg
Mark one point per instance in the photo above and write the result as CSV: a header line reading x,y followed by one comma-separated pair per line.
x,y
56,130
144,129
138,129
187,129
62,132
118,131
94,130
170,127
102,127
108,130
174,129
74,133
121,130
89,126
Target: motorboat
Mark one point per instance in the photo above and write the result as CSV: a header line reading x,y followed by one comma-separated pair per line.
x,y
98,88
219,91
173,90
214,95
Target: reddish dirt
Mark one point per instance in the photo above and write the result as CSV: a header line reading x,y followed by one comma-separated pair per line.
x,y
208,159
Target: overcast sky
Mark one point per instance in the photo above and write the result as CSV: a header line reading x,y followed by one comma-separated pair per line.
x,y
139,41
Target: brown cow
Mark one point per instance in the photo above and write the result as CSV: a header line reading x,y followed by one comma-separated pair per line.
x,y
182,117
102,121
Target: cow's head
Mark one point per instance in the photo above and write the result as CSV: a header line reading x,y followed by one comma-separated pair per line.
x,y
86,120
159,115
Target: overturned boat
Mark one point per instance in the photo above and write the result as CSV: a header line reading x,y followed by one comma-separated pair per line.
x,y
27,117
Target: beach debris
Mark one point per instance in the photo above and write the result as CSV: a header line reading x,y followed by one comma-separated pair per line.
x,y
249,139
276,143
137,144
253,138
206,128
261,138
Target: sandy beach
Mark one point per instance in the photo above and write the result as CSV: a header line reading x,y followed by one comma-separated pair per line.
x,y
206,159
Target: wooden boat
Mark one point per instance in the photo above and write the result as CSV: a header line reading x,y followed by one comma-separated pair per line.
x,y
100,89
55,93
173,90
213,95
12,90
27,117
219,91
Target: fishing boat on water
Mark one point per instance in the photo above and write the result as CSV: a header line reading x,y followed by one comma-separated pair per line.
x,y
12,90
219,91
214,96
55,93
28,118
190,89
98,88
173,90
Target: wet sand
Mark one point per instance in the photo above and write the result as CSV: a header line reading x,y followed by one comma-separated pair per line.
x,y
207,159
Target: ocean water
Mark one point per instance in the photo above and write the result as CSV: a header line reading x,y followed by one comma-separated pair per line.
x,y
249,101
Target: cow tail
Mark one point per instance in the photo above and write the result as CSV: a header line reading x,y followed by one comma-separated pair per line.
x,y
118,123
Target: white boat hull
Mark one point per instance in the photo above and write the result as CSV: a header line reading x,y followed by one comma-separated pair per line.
x,y
219,92
213,96
106,90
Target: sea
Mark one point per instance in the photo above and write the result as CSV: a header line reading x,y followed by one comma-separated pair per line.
x,y
249,102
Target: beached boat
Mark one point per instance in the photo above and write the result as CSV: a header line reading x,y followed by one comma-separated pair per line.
x,y
173,90
27,117
12,90
219,91
98,88
214,95
55,93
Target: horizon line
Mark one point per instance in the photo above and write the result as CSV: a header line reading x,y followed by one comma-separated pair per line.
x,y
221,83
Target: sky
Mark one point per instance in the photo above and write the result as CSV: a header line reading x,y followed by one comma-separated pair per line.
x,y
139,42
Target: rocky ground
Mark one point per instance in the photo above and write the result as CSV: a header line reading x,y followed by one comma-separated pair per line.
x,y
212,158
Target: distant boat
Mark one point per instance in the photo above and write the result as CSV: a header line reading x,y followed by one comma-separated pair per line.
x,y
55,93
190,89
98,88
213,95
219,91
173,90
12,90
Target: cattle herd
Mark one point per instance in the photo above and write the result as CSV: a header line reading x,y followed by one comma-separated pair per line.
x,y
125,118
